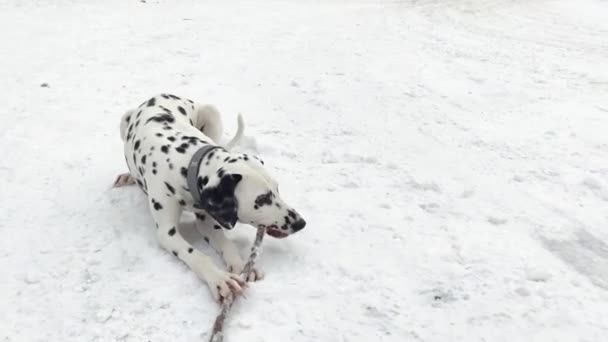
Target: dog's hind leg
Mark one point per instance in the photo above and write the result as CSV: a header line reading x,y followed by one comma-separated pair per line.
x,y
124,179
209,121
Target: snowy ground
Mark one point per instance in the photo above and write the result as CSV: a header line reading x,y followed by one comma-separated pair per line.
x,y
450,158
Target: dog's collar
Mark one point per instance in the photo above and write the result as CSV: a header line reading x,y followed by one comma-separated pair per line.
x,y
192,174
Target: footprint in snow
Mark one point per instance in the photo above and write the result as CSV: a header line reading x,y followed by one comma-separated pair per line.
x,y
497,221
429,207
425,186
537,274
596,188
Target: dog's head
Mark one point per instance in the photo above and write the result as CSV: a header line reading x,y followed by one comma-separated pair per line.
x,y
244,191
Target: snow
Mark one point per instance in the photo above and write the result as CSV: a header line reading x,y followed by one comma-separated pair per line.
x,y
449,157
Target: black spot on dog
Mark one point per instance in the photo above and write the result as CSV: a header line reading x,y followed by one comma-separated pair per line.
x,y
141,185
159,135
143,159
192,123
153,164
171,189
138,115
136,123
190,250
165,96
215,226
162,117
136,146
264,199
210,155
182,202
232,161
278,205
184,172
206,239
171,231
181,110
221,172
141,170
226,159
174,97
157,206
200,216
205,180
128,118
292,214
171,139
151,102
170,166
167,110
167,128
180,149
165,148
153,171
175,253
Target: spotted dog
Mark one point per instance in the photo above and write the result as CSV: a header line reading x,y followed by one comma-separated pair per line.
x,y
162,137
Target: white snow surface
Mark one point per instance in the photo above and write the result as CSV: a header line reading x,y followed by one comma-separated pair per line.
x,y
450,158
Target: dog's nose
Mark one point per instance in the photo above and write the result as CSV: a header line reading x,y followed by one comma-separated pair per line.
x,y
298,225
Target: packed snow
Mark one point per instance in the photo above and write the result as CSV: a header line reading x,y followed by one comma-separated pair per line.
x,y
450,158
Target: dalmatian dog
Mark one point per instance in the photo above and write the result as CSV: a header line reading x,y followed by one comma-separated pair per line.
x,y
171,150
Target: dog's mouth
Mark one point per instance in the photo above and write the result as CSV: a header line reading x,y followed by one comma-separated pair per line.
x,y
275,232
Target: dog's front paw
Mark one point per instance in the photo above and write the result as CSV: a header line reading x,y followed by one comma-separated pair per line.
x,y
224,285
255,274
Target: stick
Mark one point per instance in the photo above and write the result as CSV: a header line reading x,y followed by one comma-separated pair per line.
x,y
217,332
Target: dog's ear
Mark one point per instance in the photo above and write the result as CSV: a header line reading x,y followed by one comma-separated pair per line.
x,y
236,178
220,201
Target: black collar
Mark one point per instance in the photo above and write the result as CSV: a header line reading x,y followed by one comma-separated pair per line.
x,y
193,169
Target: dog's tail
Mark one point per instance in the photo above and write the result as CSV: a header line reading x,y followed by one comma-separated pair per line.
x,y
239,133
124,123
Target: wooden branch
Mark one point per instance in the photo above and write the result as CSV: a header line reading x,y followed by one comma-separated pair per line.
x,y
217,332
